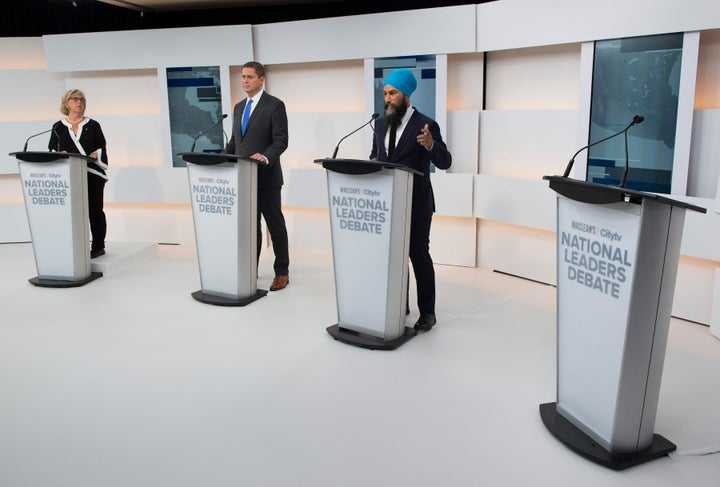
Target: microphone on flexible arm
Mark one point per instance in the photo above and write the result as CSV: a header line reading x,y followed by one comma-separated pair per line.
x,y
32,137
374,116
224,116
57,136
637,119
225,139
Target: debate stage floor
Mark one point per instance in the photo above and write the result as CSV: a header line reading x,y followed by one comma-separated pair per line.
x,y
129,382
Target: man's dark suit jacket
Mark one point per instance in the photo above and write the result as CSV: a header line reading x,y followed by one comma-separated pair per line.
x,y
409,153
266,133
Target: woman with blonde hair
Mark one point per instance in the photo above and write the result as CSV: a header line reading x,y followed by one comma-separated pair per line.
x,y
78,134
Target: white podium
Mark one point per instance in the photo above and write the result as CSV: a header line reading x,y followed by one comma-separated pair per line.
x,y
617,254
54,186
370,208
223,190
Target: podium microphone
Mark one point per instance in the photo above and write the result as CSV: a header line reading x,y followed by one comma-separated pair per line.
x,y
224,116
637,119
33,136
374,116
57,136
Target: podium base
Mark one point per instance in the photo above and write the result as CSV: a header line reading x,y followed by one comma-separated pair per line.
x,y
352,337
42,282
582,444
223,301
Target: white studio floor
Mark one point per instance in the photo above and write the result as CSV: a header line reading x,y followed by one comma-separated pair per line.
x,y
129,382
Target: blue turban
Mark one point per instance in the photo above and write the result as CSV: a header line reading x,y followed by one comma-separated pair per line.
x,y
403,80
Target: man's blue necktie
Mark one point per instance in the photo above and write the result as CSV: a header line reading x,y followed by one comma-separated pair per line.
x,y
246,115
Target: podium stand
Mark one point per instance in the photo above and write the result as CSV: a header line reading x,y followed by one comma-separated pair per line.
x,y
55,190
223,190
370,207
617,253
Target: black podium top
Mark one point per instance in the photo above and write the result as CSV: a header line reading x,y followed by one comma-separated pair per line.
x,y
359,166
212,158
599,194
43,156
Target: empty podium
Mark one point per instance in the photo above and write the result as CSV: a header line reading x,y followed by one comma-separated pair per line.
x,y
370,208
54,186
223,191
617,260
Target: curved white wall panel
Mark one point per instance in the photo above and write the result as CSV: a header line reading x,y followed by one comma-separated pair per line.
x,y
148,185
703,178
511,24
22,53
34,96
523,202
429,31
133,49
527,144
453,194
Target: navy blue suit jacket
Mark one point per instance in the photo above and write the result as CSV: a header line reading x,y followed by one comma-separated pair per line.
x,y
409,152
266,133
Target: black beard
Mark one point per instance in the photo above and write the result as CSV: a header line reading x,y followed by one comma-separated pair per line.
x,y
393,117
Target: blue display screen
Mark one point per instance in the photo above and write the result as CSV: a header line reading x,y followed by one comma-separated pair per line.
x,y
635,76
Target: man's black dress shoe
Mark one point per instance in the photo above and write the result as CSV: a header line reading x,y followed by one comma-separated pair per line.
x,y
425,322
97,253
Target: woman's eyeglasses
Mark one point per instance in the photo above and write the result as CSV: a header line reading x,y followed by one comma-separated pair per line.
x,y
77,99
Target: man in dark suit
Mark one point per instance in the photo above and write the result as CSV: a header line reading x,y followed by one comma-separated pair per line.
x,y
406,136
260,131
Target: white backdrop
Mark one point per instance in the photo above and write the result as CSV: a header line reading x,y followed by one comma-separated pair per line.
x,y
516,124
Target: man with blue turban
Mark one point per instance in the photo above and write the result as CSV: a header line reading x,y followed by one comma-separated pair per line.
x,y
406,136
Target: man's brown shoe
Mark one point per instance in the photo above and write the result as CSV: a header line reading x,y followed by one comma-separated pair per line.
x,y
280,282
